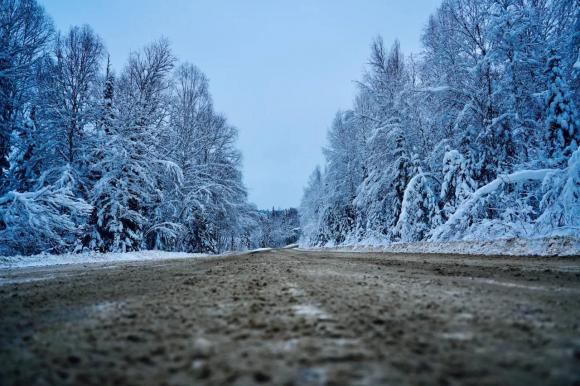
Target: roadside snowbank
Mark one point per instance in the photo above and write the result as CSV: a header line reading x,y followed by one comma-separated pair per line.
x,y
552,246
42,260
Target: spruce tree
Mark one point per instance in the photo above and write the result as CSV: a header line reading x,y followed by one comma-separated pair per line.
x,y
562,125
103,220
457,183
403,169
419,210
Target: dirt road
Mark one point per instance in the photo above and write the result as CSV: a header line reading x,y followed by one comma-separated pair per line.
x,y
288,317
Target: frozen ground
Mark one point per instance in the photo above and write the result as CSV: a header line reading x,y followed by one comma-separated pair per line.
x,y
554,246
291,317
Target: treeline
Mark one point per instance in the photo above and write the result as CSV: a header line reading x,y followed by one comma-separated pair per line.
x,y
92,159
279,227
474,137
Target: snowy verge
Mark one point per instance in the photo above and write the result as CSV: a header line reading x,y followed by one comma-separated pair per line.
x,y
550,246
43,260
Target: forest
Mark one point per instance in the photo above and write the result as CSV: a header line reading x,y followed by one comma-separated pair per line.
x,y
114,162
473,138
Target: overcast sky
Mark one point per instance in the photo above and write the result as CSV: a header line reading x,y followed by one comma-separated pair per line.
x,y
279,70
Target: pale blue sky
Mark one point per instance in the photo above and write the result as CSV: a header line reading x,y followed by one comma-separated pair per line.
x,y
279,70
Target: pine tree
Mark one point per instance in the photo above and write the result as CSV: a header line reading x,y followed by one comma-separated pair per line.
x,y
403,170
419,210
415,164
457,183
560,203
24,166
562,124
104,220
311,206
107,114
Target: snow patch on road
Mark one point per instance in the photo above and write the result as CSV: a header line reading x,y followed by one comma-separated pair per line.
x,y
552,246
525,286
106,309
294,291
309,310
18,280
43,260
458,336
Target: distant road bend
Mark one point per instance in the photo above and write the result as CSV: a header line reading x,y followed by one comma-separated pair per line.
x,y
292,317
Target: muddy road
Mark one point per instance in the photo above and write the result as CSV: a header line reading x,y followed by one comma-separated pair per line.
x,y
289,317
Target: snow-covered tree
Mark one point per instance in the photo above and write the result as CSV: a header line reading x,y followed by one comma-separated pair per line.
x,y
107,113
560,203
71,92
373,192
25,31
419,209
47,219
279,228
129,189
562,122
478,87
457,184
210,202
403,170
145,149
311,207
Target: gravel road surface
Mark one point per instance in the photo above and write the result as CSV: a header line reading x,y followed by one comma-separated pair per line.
x,y
292,317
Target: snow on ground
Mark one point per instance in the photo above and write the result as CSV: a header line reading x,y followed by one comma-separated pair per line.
x,y
258,250
553,246
42,260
